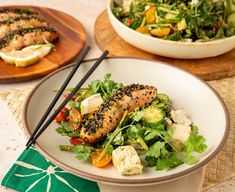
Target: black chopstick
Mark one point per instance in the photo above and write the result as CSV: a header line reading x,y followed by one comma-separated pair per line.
x,y
78,86
79,60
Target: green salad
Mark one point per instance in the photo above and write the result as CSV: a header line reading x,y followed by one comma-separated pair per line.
x,y
156,133
180,20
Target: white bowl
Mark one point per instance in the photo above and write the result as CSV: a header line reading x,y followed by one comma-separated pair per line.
x,y
202,104
167,48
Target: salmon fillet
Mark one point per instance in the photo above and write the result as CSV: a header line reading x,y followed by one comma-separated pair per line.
x,y
27,36
10,25
107,118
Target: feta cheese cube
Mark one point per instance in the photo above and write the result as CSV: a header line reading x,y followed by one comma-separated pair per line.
x,y
126,5
179,117
181,132
126,160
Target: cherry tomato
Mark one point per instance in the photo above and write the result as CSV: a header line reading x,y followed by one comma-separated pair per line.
x,y
75,118
100,162
129,21
61,115
75,115
76,141
74,124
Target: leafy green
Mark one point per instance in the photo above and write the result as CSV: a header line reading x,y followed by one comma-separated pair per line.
x,y
170,162
118,139
152,133
157,149
136,115
105,87
74,104
66,130
195,142
190,159
136,133
83,152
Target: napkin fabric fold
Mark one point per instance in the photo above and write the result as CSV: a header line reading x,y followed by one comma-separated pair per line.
x,y
33,173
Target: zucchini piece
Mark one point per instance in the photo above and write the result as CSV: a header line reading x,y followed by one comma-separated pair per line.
x,y
153,114
231,19
163,98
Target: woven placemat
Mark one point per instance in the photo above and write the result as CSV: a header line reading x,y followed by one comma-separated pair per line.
x,y
221,168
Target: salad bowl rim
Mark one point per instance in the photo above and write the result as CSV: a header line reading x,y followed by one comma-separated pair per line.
x,y
141,35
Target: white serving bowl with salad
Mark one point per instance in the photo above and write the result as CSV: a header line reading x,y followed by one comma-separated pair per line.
x,y
182,101
177,29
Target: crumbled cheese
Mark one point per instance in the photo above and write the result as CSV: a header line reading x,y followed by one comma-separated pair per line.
x,y
181,132
126,160
179,117
181,126
126,5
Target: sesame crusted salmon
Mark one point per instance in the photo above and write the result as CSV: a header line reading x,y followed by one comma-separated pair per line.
x,y
8,13
27,36
107,117
10,25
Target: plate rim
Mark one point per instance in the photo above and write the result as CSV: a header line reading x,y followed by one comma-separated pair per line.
x,y
123,181
24,77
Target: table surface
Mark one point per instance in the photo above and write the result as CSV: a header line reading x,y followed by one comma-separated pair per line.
x,y
12,143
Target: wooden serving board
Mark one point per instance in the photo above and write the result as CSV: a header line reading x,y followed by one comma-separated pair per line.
x,y
208,69
72,40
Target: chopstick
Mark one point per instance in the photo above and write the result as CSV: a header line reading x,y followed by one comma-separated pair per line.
x,y
78,86
79,60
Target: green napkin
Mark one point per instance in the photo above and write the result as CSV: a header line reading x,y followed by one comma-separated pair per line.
x,y
32,172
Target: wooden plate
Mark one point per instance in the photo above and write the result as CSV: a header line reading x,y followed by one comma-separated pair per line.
x,y
72,40
207,69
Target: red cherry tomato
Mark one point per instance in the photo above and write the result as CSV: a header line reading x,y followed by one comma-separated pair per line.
x,y
73,124
129,21
75,118
61,115
75,115
75,141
